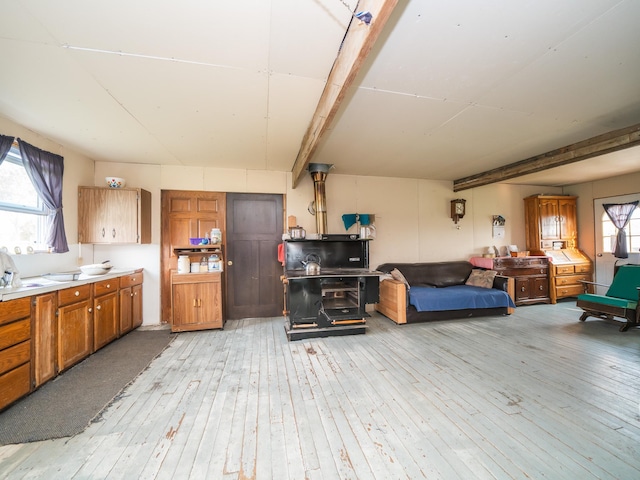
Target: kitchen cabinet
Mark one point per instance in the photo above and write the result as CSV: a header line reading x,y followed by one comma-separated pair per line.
x,y
114,215
551,230
130,302
44,328
15,350
531,276
196,301
105,312
75,325
185,214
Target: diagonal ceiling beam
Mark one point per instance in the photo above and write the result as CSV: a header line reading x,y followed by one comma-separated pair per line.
x,y
599,145
357,44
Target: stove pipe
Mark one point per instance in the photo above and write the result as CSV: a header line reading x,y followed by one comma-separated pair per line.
x,y
319,173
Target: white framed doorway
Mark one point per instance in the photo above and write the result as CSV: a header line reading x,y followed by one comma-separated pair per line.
x,y
605,260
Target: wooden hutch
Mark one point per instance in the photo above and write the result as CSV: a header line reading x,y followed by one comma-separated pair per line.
x,y
551,230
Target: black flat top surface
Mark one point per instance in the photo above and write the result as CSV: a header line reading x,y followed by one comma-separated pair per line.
x,y
334,272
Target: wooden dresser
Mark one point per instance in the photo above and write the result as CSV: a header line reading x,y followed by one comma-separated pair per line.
x,y
531,275
568,268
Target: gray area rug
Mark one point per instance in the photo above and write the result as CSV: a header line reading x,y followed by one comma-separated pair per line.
x,y
66,405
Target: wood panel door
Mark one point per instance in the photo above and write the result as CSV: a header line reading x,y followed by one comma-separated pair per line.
x,y
185,214
254,230
45,337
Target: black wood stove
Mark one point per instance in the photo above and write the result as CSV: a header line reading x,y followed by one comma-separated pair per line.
x,y
333,301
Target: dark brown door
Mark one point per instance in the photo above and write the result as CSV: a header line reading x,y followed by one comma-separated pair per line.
x,y
254,230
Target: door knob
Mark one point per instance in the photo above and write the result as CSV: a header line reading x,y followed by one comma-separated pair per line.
x,y
230,262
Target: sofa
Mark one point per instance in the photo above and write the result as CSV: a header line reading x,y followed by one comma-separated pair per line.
x,y
419,292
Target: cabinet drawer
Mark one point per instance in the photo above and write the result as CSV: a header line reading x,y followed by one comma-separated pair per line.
x,y
15,309
583,268
131,280
564,269
569,291
15,332
73,295
15,384
519,272
11,357
105,286
571,280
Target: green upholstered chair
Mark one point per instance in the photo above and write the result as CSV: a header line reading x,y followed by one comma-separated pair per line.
x,y
621,300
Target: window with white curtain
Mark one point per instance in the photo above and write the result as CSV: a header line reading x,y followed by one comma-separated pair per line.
x,y
22,213
609,233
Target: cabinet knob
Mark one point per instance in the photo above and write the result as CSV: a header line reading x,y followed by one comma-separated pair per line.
x,y
108,285
98,307
540,288
90,309
132,294
522,289
77,293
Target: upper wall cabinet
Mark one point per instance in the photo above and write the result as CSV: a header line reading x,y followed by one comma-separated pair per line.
x,y
114,215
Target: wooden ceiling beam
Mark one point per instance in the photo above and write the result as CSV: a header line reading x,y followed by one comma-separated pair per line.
x,y
356,45
599,145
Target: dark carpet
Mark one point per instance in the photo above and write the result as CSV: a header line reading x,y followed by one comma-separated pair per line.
x,y
66,405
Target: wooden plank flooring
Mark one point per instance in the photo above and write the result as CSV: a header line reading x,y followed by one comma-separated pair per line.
x,y
534,395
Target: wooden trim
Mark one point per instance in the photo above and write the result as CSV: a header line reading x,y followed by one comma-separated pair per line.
x,y
393,301
358,42
599,145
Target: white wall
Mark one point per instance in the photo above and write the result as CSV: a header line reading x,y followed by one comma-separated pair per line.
x,y
587,193
412,216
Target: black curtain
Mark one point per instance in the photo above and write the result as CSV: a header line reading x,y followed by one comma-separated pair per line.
x,y
5,146
45,170
620,214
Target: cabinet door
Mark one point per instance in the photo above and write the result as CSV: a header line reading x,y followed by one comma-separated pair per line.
x,y
539,287
197,306
136,306
549,226
92,215
75,339
568,228
210,311
122,216
105,320
45,337
522,289
126,302
185,306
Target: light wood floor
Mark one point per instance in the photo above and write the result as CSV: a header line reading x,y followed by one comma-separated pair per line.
x,y
535,395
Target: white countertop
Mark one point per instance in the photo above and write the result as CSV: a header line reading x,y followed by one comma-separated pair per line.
x,y
39,285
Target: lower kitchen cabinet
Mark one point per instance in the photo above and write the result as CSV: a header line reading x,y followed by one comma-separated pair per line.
x,y
196,301
75,325
44,328
105,312
15,350
130,302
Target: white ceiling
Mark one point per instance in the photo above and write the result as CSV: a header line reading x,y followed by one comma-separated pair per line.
x,y
451,89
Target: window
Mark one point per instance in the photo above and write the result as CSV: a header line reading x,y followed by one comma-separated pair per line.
x,y
609,232
22,213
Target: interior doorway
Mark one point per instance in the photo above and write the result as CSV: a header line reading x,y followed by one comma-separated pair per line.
x,y
254,225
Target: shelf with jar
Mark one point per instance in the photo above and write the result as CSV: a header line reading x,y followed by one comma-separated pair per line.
x,y
200,258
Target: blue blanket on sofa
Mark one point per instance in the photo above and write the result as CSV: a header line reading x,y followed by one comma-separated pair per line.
x,y
457,297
